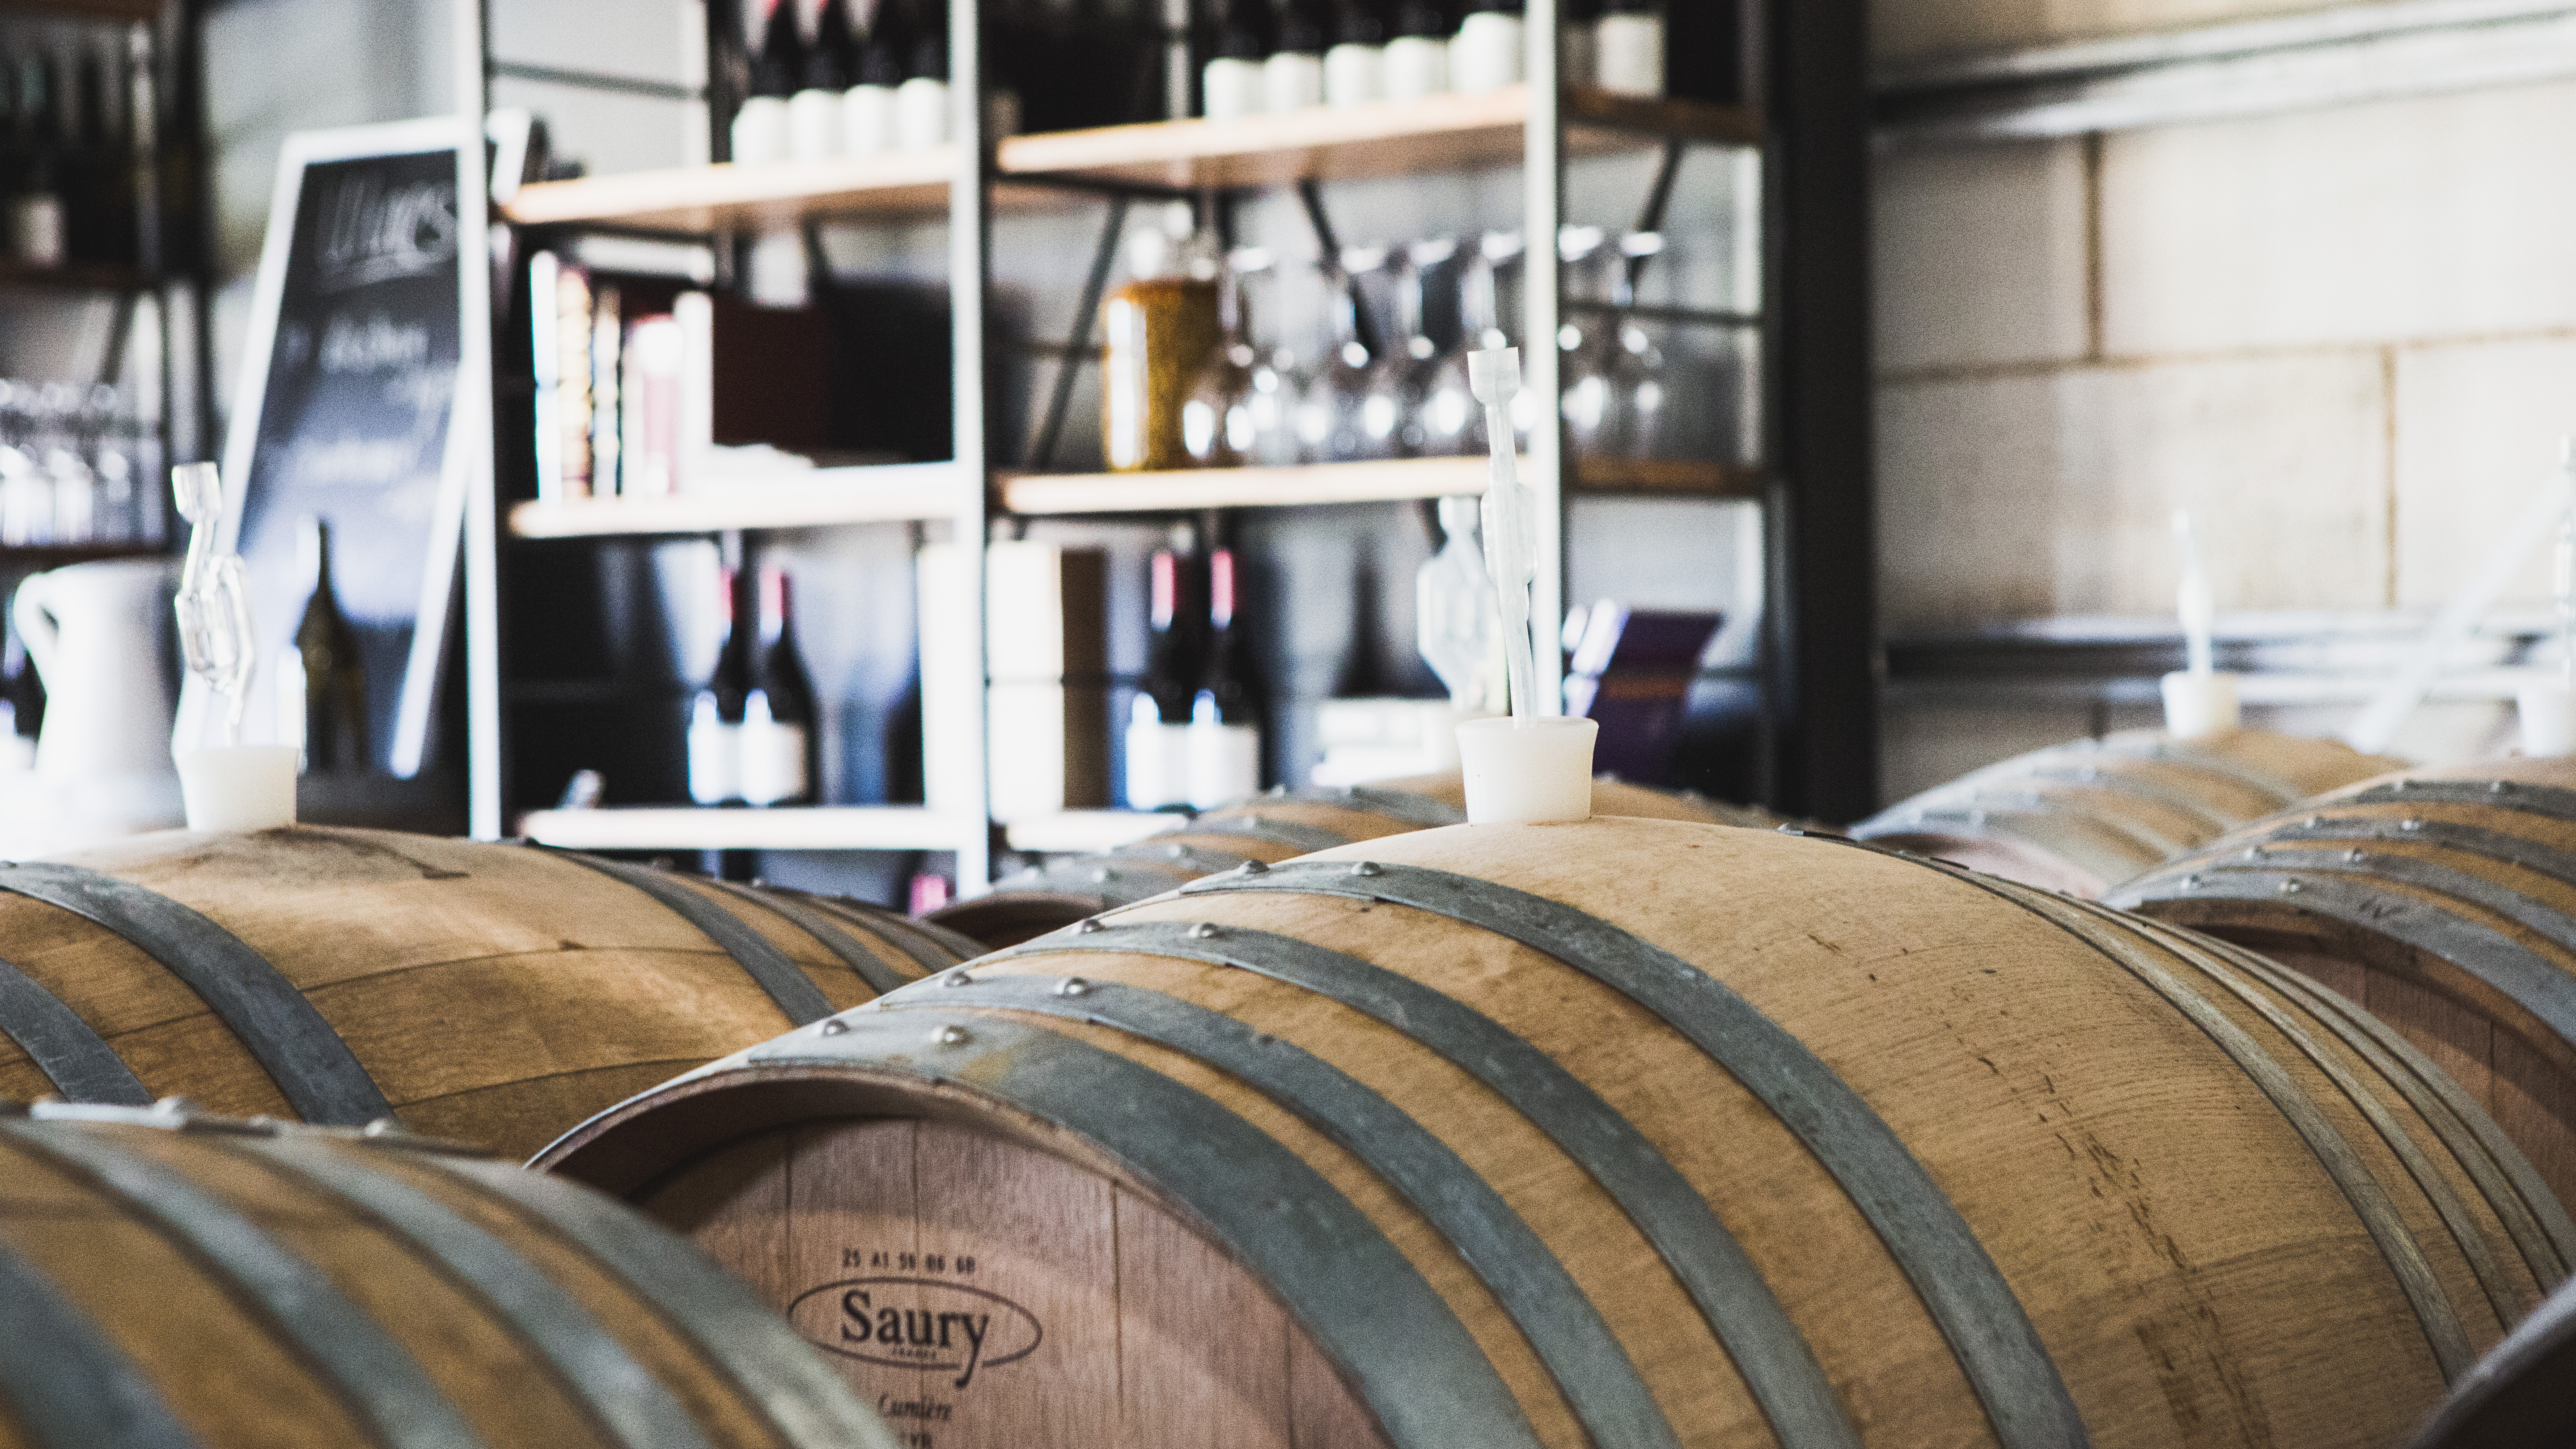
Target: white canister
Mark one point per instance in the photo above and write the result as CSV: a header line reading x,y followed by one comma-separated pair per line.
x,y
1354,75
867,120
1630,54
2547,711
1225,762
921,114
814,128
1292,80
1232,88
1527,772
2200,705
1158,760
1486,54
760,131
1416,66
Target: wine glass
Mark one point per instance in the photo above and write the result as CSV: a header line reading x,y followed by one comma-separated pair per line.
x,y
1637,380
1216,415
1586,340
1450,420
1330,423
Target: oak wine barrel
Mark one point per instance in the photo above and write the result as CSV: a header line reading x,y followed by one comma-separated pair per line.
x,y
2442,900
2084,815
1270,828
1624,1132
492,994
2522,1395
180,1281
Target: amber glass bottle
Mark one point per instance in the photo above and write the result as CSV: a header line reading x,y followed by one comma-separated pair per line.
x,y
1160,330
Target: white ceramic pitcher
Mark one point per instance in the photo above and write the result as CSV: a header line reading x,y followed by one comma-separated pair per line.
x,y
94,631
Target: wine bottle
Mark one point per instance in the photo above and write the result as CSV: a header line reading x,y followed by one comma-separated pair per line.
x,y
1160,330
1631,48
1417,54
36,220
760,127
1292,79
715,716
1578,62
1158,732
1232,84
814,124
921,103
778,733
1355,68
868,109
1225,717
1487,53
322,686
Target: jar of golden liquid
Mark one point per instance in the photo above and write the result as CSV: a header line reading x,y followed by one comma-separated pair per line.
x,y
1160,330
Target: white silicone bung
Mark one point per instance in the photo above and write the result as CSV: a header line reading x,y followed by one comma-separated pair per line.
x,y
238,787
2200,705
1529,772
2547,710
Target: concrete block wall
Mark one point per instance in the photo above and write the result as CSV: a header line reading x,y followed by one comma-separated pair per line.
x,y
2346,338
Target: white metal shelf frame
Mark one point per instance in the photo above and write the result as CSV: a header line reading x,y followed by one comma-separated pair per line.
x,y
971,182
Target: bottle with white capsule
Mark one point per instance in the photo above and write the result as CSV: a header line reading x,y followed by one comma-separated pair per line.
x,y
760,126
868,106
1417,52
1235,82
1578,55
1355,68
1292,78
1629,46
814,129
1486,56
921,103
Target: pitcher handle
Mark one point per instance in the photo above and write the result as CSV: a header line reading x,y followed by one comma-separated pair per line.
x,y
39,630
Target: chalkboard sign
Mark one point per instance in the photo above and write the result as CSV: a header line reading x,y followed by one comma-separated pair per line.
x,y
347,413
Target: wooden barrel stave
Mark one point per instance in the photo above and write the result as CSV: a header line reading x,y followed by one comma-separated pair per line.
x,y
2086,815
2067,1073
489,993
1272,827
2445,902
239,1284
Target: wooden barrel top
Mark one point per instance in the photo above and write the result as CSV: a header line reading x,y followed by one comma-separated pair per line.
x,y
1619,1131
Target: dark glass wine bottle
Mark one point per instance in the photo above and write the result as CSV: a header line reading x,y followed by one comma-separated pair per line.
x,y
1232,83
775,71
334,678
778,729
1225,721
716,715
36,221
1159,722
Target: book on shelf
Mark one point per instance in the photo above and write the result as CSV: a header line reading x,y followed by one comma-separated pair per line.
x,y
643,387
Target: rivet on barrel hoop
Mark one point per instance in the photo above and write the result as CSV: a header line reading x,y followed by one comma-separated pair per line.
x,y
174,1107
835,1027
2356,857
1252,867
2289,887
2191,882
2496,787
957,977
949,1036
2410,824
1365,867
1073,986
2314,821
1086,925
385,1127
1103,876
1203,931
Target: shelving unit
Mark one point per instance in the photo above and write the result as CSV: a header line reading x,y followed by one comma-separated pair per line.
x,y
890,493
848,827
1815,385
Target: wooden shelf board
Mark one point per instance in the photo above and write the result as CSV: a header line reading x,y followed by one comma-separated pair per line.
x,y
885,493
1387,138
1668,478
143,10
55,555
699,199
1089,832
78,278
838,827
1189,489
1193,488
